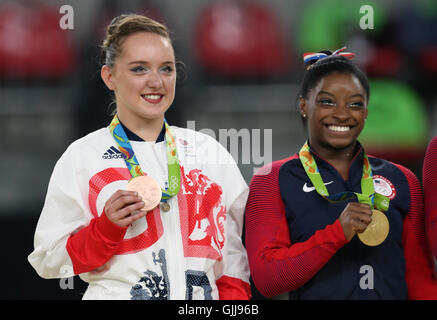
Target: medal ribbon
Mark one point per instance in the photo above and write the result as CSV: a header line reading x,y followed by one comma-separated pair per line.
x,y
174,172
367,195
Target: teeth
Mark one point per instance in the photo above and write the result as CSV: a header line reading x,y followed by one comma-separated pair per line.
x,y
152,96
339,128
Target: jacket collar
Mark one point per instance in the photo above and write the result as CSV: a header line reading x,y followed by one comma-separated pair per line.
x,y
133,137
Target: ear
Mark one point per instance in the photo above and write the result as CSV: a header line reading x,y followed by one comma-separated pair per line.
x,y
303,107
366,113
107,77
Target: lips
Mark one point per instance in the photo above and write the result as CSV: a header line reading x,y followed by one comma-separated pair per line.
x,y
153,97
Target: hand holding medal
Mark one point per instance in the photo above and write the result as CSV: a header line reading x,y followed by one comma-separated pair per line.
x,y
355,218
120,206
371,225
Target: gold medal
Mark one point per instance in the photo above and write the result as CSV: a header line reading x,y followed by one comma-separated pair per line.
x,y
148,189
377,231
165,206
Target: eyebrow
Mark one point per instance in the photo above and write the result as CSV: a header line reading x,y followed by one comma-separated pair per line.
x,y
332,95
357,95
145,62
325,92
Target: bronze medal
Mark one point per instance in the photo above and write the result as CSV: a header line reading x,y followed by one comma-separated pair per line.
x,y
377,231
165,206
148,189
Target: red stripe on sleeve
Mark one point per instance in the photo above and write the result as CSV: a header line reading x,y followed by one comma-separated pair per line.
x,y
418,260
95,244
276,265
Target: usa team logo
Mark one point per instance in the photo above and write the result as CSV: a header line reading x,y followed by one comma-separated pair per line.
x,y
384,186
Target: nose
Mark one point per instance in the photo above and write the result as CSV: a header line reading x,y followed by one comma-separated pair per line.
x,y
341,112
154,80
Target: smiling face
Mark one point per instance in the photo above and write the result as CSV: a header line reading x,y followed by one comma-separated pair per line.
x,y
143,78
336,109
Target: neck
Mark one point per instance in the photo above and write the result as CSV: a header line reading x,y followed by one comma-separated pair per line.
x,y
339,158
146,129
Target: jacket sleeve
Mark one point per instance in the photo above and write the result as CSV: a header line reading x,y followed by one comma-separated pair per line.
x,y
430,194
233,282
419,264
67,234
277,265
95,244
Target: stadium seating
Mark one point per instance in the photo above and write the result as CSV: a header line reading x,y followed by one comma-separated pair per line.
x,y
241,39
33,44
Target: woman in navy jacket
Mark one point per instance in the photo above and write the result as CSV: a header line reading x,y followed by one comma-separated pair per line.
x,y
307,243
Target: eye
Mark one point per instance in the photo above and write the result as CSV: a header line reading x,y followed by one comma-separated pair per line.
x,y
326,102
138,69
356,105
167,69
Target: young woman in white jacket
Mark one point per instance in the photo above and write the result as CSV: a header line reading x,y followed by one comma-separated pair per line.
x,y
141,209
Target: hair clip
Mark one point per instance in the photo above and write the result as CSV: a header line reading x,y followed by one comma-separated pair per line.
x,y
348,55
313,56
309,56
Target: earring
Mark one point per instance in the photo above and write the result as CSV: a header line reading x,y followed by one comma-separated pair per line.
x,y
304,116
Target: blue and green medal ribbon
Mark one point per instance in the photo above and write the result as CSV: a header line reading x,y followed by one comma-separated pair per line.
x,y
174,172
367,195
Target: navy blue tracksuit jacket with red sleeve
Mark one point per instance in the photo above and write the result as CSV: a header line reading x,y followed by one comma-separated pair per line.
x,y
296,244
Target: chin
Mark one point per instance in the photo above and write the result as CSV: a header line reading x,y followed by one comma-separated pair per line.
x,y
153,114
150,117
340,144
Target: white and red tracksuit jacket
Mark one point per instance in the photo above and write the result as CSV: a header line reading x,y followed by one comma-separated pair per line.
x,y
193,251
